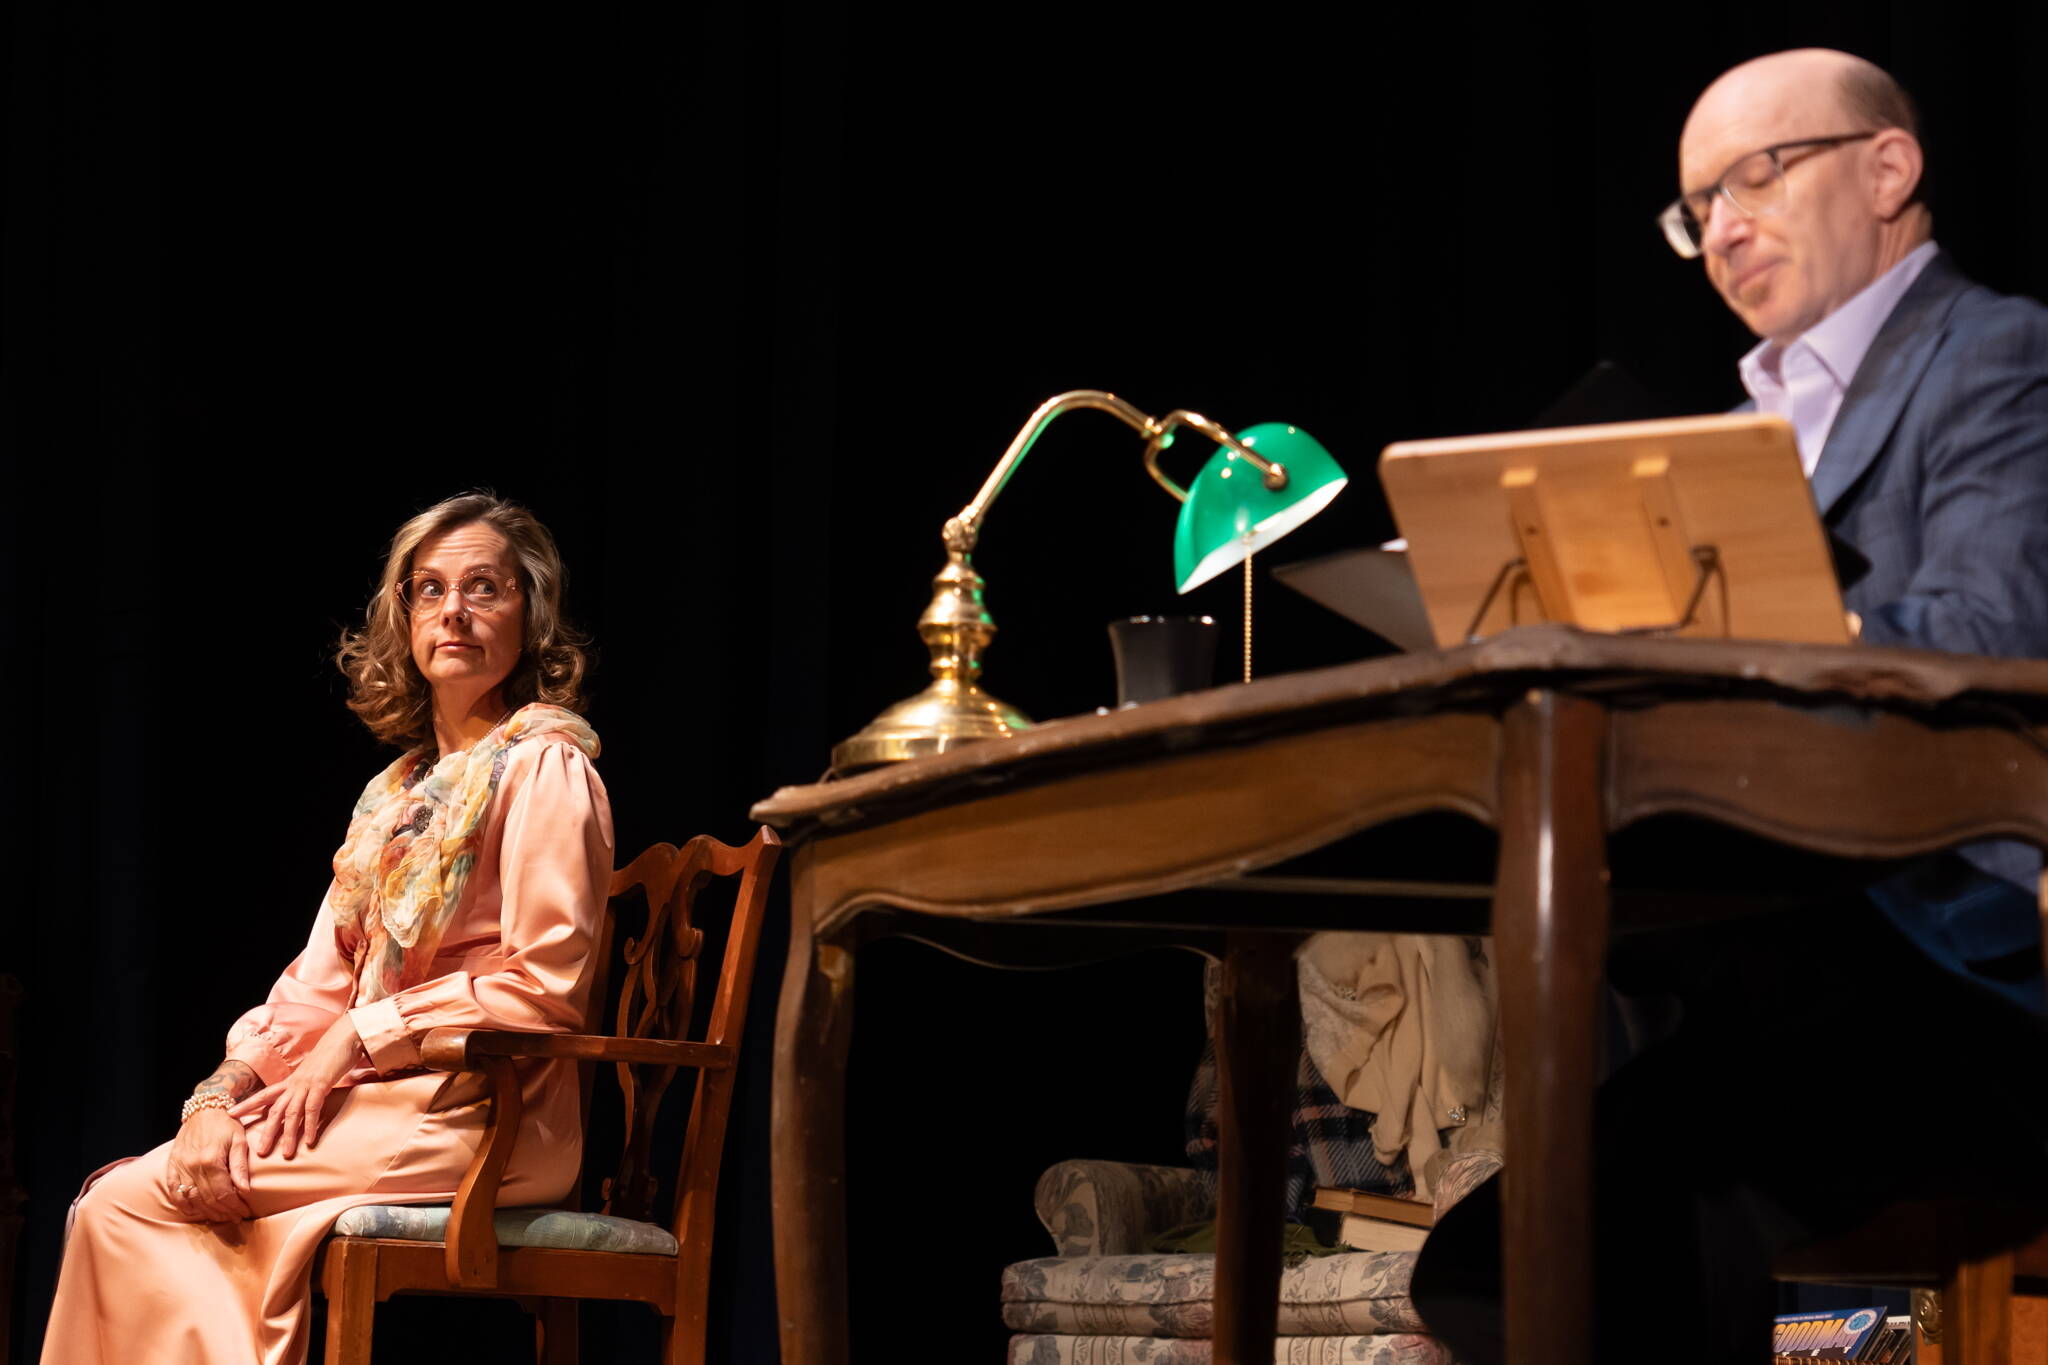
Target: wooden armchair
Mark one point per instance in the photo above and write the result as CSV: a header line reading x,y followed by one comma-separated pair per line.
x,y
548,1259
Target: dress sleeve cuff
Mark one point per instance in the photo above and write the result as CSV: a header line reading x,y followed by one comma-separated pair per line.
x,y
260,1057
384,1037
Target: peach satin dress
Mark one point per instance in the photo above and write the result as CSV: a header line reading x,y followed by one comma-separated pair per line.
x,y
140,1285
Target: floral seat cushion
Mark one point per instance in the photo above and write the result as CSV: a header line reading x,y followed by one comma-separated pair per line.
x,y
1174,1295
559,1228
1391,1349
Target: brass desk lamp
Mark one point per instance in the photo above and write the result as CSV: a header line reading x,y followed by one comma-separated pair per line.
x,y
1243,500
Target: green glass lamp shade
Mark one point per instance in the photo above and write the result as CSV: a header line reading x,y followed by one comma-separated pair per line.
x,y
1231,515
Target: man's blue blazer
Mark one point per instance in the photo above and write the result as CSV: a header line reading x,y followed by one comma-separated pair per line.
x,y
1936,474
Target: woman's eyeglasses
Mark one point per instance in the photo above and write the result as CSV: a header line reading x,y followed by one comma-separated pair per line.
x,y
480,592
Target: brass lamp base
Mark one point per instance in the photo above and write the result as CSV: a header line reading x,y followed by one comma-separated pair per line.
x,y
953,710
943,716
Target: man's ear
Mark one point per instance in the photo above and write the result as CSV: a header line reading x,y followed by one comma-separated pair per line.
x,y
1896,163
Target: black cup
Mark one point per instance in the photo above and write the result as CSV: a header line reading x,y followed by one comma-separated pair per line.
x,y
1162,656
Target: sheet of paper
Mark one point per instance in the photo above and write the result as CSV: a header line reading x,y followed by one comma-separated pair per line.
x,y
1373,587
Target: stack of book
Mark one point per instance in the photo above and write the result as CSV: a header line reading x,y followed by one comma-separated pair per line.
x,y
1843,1334
1376,1222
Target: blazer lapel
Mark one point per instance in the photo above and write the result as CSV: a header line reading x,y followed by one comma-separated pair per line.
x,y
1885,380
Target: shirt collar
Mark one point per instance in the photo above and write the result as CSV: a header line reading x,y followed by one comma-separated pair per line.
x,y
1843,337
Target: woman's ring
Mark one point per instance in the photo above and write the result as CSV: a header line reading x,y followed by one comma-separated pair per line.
x,y
188,1189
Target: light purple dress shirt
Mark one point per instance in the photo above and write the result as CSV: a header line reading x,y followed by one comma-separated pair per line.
x,y
1804,382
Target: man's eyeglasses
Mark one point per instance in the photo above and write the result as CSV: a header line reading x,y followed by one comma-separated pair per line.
x,y
481,592
1754,185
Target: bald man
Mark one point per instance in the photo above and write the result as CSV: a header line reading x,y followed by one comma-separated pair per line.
x,y
1920,403
1920,400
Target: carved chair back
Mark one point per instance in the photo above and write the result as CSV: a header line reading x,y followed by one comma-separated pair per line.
x,y
657,1001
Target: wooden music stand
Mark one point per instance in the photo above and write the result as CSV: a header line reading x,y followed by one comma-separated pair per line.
x,y
1698,526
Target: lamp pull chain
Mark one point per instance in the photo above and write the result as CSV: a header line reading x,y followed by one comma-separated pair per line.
x,y
1247,618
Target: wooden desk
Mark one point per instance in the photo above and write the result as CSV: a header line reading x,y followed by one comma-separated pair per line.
x,y
1554,738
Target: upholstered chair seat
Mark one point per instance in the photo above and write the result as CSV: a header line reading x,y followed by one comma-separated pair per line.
x,y
559,1228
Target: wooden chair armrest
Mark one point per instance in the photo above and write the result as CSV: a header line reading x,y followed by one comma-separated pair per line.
x,y
472,1241
471,1246
466,1049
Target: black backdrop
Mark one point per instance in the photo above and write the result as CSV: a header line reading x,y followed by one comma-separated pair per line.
x,y
744,300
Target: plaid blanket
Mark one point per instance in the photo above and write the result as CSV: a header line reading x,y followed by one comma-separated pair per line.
x,y
1332,1142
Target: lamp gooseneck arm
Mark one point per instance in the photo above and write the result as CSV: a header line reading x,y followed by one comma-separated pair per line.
x,y
1160,436
962,530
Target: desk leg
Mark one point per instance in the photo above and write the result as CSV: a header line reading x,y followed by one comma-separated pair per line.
x,y
1258,1051
1550,935
813,1027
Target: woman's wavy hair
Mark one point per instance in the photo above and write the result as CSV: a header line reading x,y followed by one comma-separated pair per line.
x,y
385,687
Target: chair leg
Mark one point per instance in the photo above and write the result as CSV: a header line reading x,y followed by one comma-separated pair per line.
x,y
1976,1312
2030,1327
683,1333
554,1332
349,1279
682,1341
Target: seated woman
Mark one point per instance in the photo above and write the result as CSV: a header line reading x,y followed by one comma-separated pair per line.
x,y
467,894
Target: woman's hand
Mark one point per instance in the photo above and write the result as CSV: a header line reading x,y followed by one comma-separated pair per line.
x,y
207,1172
294,1103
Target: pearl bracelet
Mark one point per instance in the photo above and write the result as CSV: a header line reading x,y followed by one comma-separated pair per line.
x,y
199,1102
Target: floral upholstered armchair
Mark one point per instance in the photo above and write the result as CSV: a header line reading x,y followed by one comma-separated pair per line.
x,y
1107,1298
1104,1300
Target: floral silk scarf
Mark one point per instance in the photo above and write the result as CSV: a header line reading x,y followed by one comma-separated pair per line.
x,y
412,842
